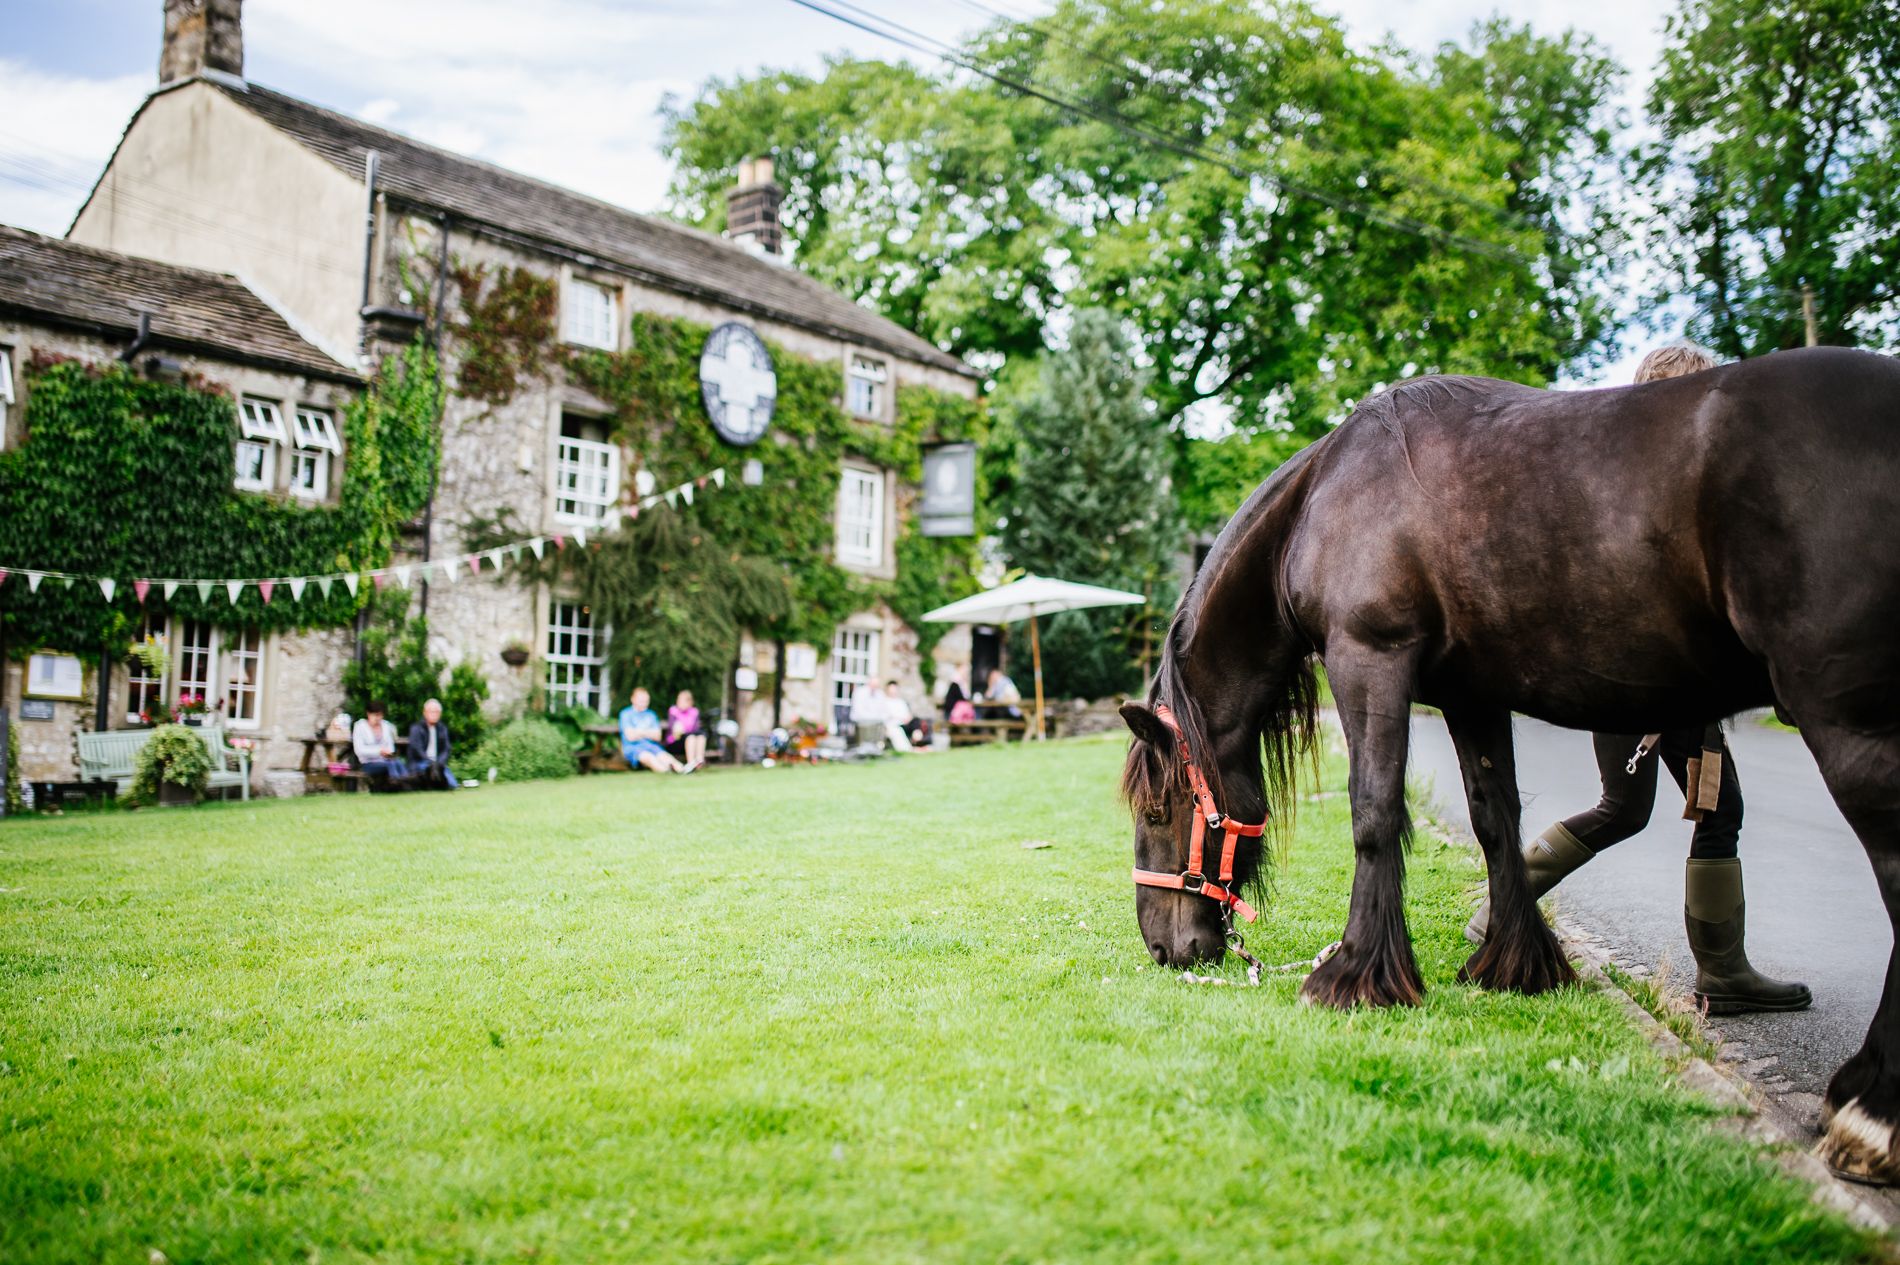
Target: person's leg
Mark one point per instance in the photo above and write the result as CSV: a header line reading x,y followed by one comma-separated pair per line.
x,y
696,748
1714,913
660,762
1567,846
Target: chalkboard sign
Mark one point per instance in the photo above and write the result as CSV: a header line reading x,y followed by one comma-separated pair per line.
x,y
36,709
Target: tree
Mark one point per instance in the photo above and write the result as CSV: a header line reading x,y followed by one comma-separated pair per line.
x,y
1092,501
1285,223
1777,177
396,669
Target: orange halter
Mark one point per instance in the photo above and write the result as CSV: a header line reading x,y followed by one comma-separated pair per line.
x,y
1206,817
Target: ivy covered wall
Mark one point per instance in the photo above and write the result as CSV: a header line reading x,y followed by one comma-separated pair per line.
x,y
129,477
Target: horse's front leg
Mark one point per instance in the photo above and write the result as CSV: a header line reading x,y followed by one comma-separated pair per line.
x,y
1519,953
1374,965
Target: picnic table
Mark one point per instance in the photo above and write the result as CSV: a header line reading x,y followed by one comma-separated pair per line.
x,y
337,751
972,733
603,748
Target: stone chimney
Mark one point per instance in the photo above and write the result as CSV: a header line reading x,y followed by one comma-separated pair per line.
x,y
202,35
752,208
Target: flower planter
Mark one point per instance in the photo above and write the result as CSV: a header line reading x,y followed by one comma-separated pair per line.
x,y
514,656
170,795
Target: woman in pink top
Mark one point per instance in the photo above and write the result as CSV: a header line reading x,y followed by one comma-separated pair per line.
x,y
683,737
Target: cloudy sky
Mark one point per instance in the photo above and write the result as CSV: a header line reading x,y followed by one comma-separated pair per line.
x,y
569,94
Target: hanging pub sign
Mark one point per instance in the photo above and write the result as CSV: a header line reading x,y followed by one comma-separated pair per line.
x,y
737,383
948,506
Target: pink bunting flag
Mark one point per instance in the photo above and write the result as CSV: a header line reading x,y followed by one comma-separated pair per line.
x,y
700,481
474,564
560,542
264,588
3,575
379,578
141,587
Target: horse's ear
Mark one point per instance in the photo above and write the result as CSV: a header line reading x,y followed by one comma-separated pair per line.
x,y
1147,726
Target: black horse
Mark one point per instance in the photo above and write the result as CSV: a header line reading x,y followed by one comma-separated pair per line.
x,y
1623,560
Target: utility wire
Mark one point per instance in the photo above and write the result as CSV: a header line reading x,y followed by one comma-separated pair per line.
x,y
917,41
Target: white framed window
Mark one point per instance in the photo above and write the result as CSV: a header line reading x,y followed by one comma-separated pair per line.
x,y
143,690
591,314
586,472
261,432
861,517
316,446
864,387
576,657
853,665
195,658
242,659
6,391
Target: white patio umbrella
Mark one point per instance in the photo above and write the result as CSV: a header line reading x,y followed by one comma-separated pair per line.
x,y
1027,598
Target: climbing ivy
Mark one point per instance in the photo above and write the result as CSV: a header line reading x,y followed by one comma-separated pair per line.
x,y
786,521
507,329
126,477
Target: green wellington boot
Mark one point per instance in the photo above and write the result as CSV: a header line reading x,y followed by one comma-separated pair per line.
x,y
1547,859
1713,912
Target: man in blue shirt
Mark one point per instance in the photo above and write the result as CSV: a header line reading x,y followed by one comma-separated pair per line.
x,y
640,737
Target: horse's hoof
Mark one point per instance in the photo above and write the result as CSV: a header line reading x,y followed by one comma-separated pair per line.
x,y
1860,1148
1342,982
1534,963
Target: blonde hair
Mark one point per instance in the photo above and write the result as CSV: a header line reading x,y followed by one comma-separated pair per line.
x,y
1673,361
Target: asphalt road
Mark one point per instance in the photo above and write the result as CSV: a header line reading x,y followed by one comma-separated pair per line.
x,y
1813,911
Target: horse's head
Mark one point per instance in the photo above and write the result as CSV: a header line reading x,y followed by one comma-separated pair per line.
x,y
1180,923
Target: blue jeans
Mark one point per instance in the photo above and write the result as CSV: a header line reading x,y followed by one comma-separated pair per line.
x,y
423,766
388,768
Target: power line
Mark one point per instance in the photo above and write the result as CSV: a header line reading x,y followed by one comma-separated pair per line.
x,y
910,38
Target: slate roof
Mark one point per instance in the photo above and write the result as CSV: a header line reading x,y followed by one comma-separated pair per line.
x,y
649,248
102,291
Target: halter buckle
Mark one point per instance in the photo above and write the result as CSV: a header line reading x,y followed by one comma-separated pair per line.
x,y
1193,883
1215,821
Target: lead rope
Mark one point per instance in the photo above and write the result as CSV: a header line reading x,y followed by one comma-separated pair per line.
x,y
1255,967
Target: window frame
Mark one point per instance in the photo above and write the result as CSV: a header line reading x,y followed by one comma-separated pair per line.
x,y
7,398
313,459
136,682
228,690
581,675
843,675
871,553
267,478
570,498
203,666
873,375
580,334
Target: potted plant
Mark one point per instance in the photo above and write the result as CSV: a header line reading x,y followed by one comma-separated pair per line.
x,y
515,653
191,709
172,768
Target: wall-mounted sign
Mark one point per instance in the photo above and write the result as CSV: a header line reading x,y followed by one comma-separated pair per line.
x,y
36,709
737,383
55,676
948,505
745,679
801,662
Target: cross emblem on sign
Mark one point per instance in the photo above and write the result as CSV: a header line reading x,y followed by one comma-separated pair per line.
x,y
737,383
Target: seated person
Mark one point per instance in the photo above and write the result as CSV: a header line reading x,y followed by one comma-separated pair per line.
x,y
956,695
999,698
640,736
429,744
906,731
374,740
869,714
685,741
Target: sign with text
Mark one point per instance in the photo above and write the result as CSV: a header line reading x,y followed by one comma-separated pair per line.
x,y
948,505
36,709
55,676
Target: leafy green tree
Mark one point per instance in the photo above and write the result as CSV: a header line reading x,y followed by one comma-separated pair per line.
x,y
1777,175
396,668
1092,500
1285,222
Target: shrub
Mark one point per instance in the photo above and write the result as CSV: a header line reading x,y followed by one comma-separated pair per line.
x,y
173,754
522,749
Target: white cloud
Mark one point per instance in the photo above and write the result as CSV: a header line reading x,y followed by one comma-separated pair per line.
x,y
56,132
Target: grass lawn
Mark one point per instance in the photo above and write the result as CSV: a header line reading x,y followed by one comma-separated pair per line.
x,y
797,1015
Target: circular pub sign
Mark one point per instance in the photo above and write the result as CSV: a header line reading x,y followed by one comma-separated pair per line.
x,y
738,383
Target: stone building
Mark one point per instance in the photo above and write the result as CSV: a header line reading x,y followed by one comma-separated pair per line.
x,y
61,300
350,231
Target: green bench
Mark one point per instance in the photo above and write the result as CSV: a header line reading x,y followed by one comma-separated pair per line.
x,y
112,756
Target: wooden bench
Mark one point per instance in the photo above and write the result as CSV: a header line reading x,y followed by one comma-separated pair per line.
x,y
972,733
112,756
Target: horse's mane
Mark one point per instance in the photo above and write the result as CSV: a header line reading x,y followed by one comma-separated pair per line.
x,y
1288,723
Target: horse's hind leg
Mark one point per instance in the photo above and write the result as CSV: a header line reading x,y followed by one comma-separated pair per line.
x,y
1519,953
1862,1106
1374,965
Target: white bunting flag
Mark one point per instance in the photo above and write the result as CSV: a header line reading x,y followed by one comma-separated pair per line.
x,y
171,587
106,587
66,580
402,576
204,590
580,536
670,502
494,558
324,582
539,545
296,589
235,588
719,477
353,580
686,490
33,579
452,570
